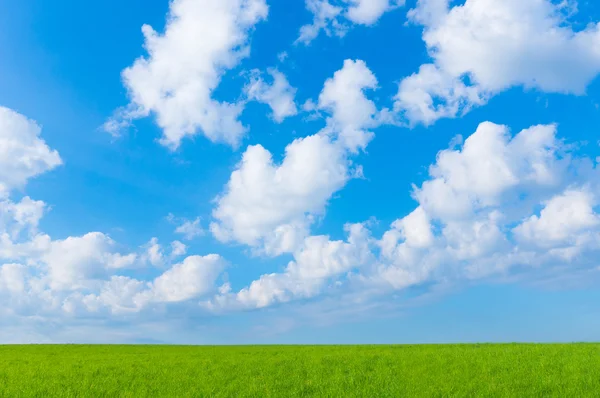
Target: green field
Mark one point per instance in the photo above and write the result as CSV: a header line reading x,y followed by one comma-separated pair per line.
x,y
510,370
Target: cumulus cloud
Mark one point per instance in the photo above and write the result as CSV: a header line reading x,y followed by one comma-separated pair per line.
x,y
178,249
21,217
271,206
490,164
483,47
317,261
175,82
23,154
153,253
336,17
73,262
279,95
478,211
563,220
192,278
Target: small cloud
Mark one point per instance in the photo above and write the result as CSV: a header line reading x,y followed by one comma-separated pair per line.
x,y
282,56
178,249
188,228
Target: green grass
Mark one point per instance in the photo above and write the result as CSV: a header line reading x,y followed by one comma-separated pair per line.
x,y
510,370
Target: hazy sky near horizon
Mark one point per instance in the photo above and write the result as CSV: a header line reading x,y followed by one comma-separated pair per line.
x,y
299,171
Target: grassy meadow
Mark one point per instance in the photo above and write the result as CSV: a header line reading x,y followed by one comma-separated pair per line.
x,y
510,370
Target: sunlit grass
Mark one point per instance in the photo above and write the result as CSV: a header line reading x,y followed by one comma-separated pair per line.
x,y
278,371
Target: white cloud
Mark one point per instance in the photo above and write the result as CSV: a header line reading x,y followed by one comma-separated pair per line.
x,y
154,253
483,47
178,249
367,12
431,94
23,154
343,96
316,261
477,194
190,229
335,17
271,206
282,56
24,215
195,276
121,294
73,262
279,95
564,218
175,82
489,164
325,17
414,230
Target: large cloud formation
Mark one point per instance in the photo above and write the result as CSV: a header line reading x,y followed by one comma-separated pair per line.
x,y
499,204
43,276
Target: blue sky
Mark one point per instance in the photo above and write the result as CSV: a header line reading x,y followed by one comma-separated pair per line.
x,y
259,171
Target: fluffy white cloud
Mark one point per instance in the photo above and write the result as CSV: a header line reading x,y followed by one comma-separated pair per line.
x,y
23,216
367,12
178,249
564,219
73,262
335,17
325,17
489,164
154,253
431,94
279,95
483,47
317,261
81,274
464,226
23,154
271,206
190,229
193,277
175,82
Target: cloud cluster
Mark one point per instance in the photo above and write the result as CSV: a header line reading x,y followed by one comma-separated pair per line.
x,y
40,275
483,47
496,204
175,82
271,206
